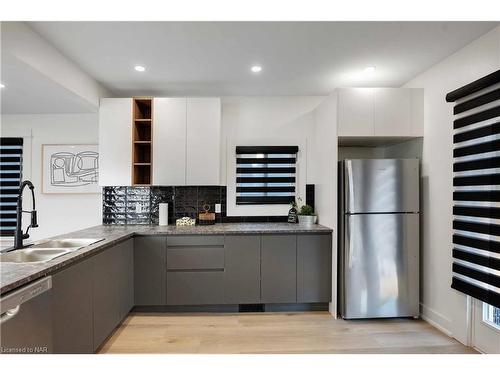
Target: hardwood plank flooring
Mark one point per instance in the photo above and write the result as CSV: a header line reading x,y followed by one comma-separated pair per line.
x,y
267,333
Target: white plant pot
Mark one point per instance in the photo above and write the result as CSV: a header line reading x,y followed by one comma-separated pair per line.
x,y
307,219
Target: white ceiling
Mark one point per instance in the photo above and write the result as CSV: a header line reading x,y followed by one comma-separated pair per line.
x,y
27,91
214,58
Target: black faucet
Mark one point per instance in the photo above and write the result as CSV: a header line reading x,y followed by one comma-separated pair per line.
x,y
19,236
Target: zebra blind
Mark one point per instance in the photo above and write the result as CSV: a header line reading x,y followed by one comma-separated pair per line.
x,y
11,156
476,195
265,174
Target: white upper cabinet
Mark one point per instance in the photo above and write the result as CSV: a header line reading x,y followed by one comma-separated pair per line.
x,y
169,141
355,112
186,141
391,112
115,142
203,141
380,112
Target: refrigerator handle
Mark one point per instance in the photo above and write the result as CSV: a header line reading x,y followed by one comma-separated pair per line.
x,y
349,189
349,242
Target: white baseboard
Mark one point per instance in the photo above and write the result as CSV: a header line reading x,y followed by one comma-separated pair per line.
x,y
435,319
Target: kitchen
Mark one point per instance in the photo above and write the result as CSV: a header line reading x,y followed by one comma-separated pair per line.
x,y
247,210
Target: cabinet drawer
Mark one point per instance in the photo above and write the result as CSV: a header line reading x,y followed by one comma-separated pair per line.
x,y
195,241
195,258
195,288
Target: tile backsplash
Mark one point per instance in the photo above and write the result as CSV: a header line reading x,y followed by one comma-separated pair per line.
x,y
139,205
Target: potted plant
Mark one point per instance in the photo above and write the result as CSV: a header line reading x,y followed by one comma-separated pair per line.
x,y
306,214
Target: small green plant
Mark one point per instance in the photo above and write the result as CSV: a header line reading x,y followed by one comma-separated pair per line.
x,y
306,210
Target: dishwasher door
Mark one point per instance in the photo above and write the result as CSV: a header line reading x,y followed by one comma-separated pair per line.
x,y
26,319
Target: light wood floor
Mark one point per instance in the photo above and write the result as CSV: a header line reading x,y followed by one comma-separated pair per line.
x,y
315,332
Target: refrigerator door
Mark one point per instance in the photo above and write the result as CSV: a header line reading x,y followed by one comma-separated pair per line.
x,y
381,185
380,266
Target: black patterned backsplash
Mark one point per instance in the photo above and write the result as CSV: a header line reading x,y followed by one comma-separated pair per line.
x,y
139,205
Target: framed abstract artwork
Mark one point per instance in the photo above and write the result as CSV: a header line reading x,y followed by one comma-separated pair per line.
x,y
70,169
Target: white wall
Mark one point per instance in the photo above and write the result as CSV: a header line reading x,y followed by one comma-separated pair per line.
x,y
57,213
350,152
266,121
324,175
405,150
442,305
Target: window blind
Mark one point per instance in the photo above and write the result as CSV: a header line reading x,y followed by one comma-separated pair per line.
x,y
265,174
476,189
11,156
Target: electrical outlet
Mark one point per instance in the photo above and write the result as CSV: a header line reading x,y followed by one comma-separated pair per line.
x,y
217,208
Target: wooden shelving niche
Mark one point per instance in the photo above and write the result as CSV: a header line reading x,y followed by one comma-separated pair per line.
x,y
142,141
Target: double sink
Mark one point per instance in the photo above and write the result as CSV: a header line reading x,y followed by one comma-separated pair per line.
x,y
45,251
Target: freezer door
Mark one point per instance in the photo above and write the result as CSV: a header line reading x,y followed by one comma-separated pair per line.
x,y
381,185
381,266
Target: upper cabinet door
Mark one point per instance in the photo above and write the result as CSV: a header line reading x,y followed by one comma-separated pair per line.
x,y
203,141
355,112
392,112
169,141
115,142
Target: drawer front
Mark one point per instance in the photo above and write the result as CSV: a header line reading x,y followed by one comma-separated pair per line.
x,y
177,240
195,288
195,258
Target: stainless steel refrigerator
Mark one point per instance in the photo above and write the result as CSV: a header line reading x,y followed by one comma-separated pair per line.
x,y
379,238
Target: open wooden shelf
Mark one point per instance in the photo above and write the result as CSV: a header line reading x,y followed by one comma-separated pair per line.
x,y
142,174
143,108
142,125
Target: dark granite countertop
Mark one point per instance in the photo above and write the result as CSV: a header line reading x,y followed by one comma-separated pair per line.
x,y
14,275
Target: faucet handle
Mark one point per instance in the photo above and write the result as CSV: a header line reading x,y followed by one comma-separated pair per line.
x,y
34,221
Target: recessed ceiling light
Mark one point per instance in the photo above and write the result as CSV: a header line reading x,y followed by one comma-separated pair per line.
x,y
369,69
256,68
139,68
2,85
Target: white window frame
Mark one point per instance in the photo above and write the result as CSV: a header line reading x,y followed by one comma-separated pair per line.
x,y
485,318
263,209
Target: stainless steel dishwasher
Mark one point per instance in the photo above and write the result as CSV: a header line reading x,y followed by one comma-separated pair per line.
x,y
26,319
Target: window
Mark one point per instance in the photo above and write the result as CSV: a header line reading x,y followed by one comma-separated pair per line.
x,y
491,315
265,174
11,154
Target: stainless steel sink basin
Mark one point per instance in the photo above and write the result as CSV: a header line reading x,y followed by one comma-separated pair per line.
x,y
67,243
31,255
48,250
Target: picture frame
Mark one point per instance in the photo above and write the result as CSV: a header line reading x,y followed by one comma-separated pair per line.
x,y
70,169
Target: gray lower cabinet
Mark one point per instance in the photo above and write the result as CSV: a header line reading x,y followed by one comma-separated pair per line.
x,y
72,309
91,298
195,270
126,278
279,269
150,270
105,278
195,287
314,268
242,269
